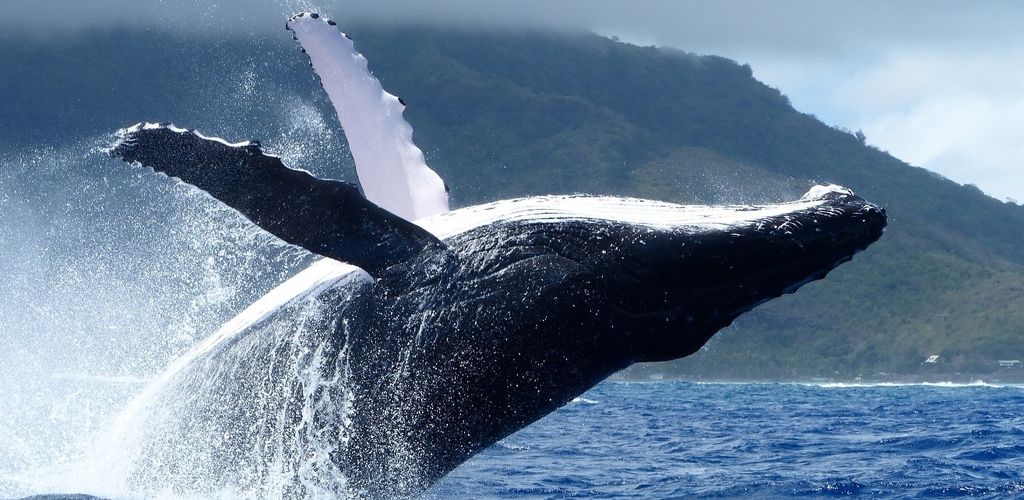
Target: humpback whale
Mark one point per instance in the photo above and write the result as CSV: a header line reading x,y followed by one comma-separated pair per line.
x,y
424,334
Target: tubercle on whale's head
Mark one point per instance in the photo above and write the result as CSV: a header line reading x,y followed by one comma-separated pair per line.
x,y
667,288
698,284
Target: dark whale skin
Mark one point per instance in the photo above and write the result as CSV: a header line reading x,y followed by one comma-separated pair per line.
x,y
391,378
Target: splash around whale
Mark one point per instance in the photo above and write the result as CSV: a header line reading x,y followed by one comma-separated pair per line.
x,y
425,335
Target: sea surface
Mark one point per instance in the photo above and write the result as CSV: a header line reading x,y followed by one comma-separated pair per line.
x,y
678,439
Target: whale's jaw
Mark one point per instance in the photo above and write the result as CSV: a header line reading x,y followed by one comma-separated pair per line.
x,y
681,287
668,276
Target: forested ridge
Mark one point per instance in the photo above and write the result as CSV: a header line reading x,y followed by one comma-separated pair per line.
x,y
504,114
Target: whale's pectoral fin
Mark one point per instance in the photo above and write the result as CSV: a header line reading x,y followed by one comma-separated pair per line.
x,y
327,217
391,169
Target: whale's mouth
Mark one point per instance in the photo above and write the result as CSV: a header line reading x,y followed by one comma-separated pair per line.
x,y
680,264
681,286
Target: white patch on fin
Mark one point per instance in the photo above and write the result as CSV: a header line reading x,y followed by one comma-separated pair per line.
x,y
391,169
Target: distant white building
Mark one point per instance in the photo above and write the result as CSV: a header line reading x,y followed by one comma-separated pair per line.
x,y
1009,363
934,358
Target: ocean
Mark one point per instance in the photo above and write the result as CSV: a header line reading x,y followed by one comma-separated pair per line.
x,y
679,439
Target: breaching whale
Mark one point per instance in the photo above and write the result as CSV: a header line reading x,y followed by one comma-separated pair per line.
x,y
426,335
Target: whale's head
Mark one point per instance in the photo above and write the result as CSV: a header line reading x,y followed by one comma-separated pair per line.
x,y
673,286
660,279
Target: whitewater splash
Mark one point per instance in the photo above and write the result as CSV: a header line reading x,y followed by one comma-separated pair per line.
x,y
286,381
96,302
299,400
110,275
945,384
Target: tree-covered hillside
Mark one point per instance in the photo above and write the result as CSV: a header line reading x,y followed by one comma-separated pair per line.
x,y
512,114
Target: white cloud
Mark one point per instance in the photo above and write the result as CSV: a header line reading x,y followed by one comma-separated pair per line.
x,y
956,110
946,97
938,83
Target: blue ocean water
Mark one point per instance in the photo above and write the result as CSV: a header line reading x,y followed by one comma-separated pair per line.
x,y
673,439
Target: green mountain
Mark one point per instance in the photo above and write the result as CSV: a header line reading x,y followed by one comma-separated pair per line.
x,y
505,114
517,114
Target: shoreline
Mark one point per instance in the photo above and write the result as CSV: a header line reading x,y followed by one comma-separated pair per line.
x,y
935,380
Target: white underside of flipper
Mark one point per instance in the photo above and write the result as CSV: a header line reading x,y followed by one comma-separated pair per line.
x,y
391,169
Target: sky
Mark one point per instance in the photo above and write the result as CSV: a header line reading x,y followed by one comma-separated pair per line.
x,y
939,84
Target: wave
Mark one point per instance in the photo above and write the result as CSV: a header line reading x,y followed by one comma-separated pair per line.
x,y
111,379
828,385
947,384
